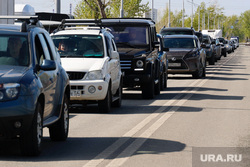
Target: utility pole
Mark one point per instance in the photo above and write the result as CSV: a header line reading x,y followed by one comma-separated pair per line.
x,y
121,10
58,6
199,19
183,14
152,12
208,21
192,14
169,24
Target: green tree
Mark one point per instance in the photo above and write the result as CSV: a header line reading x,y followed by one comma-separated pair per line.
x,y
110,8
245,24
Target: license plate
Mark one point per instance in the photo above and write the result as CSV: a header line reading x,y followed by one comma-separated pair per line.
x,y
75,93
174,64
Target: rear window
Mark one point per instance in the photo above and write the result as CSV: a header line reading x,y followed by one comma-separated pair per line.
x,y
14,50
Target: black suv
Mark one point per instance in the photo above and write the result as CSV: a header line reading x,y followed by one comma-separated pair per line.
x,y
34,88
138,46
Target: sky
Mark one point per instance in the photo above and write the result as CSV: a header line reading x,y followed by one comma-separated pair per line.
x,y
231,7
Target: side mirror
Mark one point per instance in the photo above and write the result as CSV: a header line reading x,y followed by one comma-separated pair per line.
x,y
165,49
114,55
48,65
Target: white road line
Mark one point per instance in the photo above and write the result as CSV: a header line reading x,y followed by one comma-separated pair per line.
x,y
125,155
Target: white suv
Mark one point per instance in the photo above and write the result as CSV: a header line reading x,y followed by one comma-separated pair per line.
x,y
89,56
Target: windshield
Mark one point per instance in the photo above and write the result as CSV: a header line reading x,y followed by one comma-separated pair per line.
x,y
14,50
130,36
88,46
179,43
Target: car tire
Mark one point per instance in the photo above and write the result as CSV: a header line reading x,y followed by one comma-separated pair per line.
x,y
105,105
165,80
30,142
148,89
158,86
162,81
118,94
199,73
211,61
225,54
59,130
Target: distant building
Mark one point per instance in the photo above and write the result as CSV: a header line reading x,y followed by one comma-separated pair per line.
x,y
149,15
7,8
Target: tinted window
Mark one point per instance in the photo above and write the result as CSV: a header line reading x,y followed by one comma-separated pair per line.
x,y
130,35
89,46
177,32
179,43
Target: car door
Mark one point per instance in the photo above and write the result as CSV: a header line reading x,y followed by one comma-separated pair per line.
x,y
48,78
114,64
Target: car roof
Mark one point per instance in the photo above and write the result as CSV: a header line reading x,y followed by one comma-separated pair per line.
x,y
177,28
180,36
10,27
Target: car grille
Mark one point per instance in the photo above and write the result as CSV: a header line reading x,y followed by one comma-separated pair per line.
x,y
76,75
126,64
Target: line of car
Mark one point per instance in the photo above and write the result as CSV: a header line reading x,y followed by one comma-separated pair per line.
x,y
82,62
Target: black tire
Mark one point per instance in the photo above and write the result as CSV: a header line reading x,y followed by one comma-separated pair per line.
x,y
165,80
59,131
105,105
162,81
225,54
30,142
148,89
118,94
211,61
158,86
199,73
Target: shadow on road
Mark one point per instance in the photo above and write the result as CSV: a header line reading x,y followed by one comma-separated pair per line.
x,y
83,149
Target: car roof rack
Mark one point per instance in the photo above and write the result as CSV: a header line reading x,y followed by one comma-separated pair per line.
x,y
78,22
26,21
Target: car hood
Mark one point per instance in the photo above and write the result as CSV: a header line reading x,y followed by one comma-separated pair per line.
x,y
180,51
11,74
129,53
82,64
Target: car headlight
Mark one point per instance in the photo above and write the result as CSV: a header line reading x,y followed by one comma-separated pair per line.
x,y
9,91
94,75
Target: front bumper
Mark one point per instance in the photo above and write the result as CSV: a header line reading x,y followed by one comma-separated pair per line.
x,y
19,110
80,90
135,79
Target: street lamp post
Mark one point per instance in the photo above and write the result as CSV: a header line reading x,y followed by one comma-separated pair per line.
x,y
58,6
183,13
121,10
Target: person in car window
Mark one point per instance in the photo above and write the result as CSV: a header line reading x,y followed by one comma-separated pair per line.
x,y
13,52
63,46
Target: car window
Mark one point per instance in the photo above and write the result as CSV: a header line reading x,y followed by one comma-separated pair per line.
x,y
14,50
130,35
179,43
88,46
44,47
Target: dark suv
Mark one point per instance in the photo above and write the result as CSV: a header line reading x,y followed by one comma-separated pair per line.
x,y
138,46
34,88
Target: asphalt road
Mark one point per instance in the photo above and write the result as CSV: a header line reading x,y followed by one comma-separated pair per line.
x,y
190,116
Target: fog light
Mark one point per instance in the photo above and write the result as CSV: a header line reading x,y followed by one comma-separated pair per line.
x,y
99,87
17,124
136,79
91,89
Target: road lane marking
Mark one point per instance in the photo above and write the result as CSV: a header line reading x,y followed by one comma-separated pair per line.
x,y
125,155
